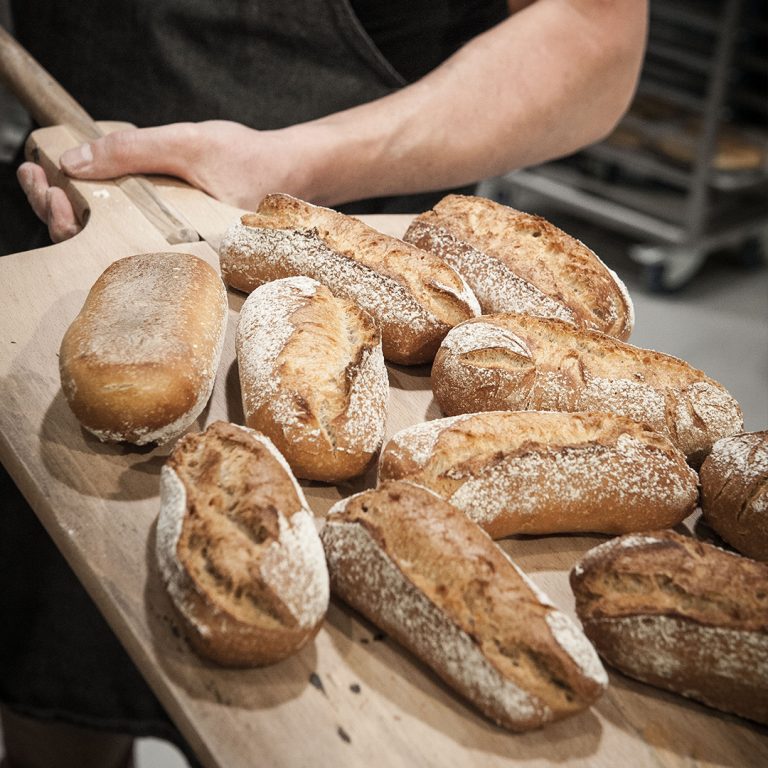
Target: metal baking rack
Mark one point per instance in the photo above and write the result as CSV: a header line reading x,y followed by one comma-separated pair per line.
x,y
664,176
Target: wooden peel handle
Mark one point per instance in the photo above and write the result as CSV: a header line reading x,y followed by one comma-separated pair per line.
x,y
49,104
41,94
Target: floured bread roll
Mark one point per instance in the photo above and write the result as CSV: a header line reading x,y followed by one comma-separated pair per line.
x,y
518,262
541,472
734,492
414,296
681,615
237,548
139,362
519,362
427,575
312,377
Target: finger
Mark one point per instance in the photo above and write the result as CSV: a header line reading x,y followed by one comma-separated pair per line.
x,y
164,149
34,184
62,222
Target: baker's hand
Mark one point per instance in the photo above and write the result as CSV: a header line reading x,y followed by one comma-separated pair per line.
x,y
229,161
50,204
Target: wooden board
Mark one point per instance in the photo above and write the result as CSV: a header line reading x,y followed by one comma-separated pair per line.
x,y
378,705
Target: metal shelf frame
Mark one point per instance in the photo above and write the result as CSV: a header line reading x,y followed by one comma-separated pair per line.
x,y
686,210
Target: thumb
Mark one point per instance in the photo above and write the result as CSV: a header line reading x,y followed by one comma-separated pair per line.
x,y
137,150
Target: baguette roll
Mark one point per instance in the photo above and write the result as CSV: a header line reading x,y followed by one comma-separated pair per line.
x,y
413,296
430,578
139,362
540,472
520,362
237,548
312,377
681,615
517,262
734,492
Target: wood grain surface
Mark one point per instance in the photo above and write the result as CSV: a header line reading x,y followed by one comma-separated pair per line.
x,y
350,698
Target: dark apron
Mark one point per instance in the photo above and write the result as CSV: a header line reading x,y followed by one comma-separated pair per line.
x,y
265,64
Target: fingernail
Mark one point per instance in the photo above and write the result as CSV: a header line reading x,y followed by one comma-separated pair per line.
x,y
24,175
77,159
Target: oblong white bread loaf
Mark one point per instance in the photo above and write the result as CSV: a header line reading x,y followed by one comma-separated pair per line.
x,y
414,296
139,361
519,362
681,615
518,262
734,492
422,571
540,472
312,377
237,548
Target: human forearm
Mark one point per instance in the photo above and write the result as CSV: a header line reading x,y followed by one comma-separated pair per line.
x,y
550,79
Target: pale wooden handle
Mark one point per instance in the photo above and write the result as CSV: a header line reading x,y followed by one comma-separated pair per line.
x,y
49,104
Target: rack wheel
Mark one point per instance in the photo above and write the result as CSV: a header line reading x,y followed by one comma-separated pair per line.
x,y
667,269
751,255
653,278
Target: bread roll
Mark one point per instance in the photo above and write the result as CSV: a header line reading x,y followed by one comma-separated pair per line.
x,y
516,262
518,362
681,615
423,572
237,548
413,296
139,361
312,377
734,492
536,472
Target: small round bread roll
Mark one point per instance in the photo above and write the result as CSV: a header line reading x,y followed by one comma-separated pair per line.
x,y
237,548
734,492
312,377
139,362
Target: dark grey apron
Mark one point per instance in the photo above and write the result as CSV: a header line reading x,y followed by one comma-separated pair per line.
x,y
151,62
265,64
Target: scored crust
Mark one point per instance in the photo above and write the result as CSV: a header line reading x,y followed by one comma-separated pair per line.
x,y
518,262
734,492
542,472
139,361
413,296
237,548
418,568
313,377
518,362
679,614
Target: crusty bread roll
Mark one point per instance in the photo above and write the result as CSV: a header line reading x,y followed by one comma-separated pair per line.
x,y
413,296
519,362
517,262
423,572
139,361
681,615
312,377
541,472
237,548
734,492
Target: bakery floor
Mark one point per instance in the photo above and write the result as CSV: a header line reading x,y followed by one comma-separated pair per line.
x,y
718,323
